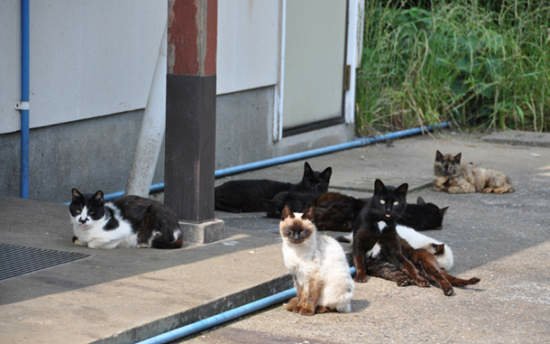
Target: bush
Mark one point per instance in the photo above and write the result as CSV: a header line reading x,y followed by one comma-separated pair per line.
x,y
477,64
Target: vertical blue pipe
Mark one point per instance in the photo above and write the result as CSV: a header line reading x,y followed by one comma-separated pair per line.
x,y
25,71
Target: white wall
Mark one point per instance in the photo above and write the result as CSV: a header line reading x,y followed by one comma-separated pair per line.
x,y
248,44
95,58
88,58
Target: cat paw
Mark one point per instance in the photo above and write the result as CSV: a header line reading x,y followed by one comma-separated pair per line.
x,y
448,291
292,305
404,282
361,278
473,280
421,282
324,309
308,310
78,242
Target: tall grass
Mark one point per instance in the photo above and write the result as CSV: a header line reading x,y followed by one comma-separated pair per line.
x,y
483,64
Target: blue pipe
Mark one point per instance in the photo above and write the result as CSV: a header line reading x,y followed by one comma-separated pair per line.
x,y
363,141
223,317
220,318
24,104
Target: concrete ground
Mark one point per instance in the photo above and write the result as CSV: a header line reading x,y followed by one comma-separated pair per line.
x,y
124,295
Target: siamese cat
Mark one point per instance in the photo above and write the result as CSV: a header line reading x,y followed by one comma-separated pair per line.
x,y
318,267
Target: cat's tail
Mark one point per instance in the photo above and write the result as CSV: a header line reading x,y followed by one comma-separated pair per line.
x,y
161,242
344,303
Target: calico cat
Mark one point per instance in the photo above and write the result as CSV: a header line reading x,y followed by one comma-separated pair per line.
x,y
318,266
416,240
453,177
336,212
251,194
130,221
376,225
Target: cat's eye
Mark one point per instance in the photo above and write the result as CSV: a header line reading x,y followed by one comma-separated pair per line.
x,y
78,211
382,201
395,203
91,213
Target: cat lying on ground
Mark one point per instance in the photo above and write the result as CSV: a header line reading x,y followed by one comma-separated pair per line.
x,y
453,177
426,260
334,211
130,221
252,194
318,266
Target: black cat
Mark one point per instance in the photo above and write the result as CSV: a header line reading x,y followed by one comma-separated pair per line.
x,y
253,194
376,226
297,201
423,216
333,211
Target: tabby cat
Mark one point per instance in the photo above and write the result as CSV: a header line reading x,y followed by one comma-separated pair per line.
x,y
453,177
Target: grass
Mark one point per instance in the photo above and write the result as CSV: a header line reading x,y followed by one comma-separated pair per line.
x,y
479,64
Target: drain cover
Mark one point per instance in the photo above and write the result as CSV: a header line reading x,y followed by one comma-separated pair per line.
x,y
17,260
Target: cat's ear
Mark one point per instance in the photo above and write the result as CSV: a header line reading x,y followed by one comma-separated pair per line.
x,y
378,186
308,171
308,214
76,194
325,175
402,189
442,211
420,201
286,212
438,156
98,196
439,249
457,158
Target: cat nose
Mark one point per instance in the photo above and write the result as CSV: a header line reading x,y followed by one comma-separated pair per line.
x,y
83,221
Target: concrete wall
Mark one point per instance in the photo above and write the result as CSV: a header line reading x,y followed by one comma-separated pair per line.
x,y
94,154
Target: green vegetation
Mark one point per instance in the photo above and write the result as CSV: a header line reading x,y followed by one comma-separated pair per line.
x,y
480,64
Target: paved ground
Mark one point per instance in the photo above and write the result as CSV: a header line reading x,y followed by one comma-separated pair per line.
x,y
124,295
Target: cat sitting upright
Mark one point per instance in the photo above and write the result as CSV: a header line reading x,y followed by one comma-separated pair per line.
x,y
251,195
375,229
453,177
318,266
130,221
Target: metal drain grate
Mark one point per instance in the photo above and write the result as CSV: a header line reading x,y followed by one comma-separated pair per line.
x,y
17,260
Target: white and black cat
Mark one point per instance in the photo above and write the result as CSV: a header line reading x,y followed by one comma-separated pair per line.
x,y
318,266
130,221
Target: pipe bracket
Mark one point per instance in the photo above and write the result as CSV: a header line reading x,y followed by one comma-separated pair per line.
x,y
22,106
